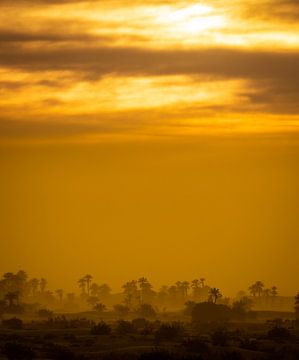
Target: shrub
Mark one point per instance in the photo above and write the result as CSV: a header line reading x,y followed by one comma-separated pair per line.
x,y
45,313
232,355
220,337
15,351
14,323
125,327
196,346
121,310
101,329
210,312
170,332
140,323
279,334
57,352
156,355
146,310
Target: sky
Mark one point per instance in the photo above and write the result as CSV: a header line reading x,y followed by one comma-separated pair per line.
x,y
155,138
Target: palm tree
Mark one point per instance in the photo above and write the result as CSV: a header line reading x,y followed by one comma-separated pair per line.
x,y
104,290
259,287
256,288
42,284
267,292
99,307
274,291
92,300
88,279
60,293
70,297
82,285
145,288
34,285
195,287
185,288
202,281
252,289
215,294
94,289
130,292
22,276
11,297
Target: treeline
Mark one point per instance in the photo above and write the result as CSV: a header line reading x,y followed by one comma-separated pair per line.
x,y
19,292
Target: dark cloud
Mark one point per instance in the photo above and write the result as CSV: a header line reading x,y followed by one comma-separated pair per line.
x,y
273,75
282,10
63,36
106,60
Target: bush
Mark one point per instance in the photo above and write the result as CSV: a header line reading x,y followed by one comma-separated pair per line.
x,y
125,327
57,352
279,334
15,309
14,323
121,310
196,346
45,313
209,312
140,323
14,351
147,311
220,337
232,355
101,329
170,332
156,355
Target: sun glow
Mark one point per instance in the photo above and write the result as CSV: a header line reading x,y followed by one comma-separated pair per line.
x,y
191,20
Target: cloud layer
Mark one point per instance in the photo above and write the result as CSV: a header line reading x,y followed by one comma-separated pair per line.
x,y
78,67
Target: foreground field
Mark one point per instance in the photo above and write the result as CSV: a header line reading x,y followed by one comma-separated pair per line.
x,y
140,339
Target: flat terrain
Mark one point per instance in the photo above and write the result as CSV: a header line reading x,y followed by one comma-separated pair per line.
x,y
146,340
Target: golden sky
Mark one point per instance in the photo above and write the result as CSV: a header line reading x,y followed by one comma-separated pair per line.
x,y
150,138
89,70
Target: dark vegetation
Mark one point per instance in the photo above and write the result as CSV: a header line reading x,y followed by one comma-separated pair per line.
x,y
181,322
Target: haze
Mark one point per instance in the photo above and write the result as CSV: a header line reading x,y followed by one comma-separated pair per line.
x,y
150,138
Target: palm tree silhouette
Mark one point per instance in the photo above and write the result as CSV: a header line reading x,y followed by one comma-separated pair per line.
x,y
60,293
42,284
82,285
34,285
99,307
145,288
202,281
259,287
88,279
185,288
11,297
215,294
274,291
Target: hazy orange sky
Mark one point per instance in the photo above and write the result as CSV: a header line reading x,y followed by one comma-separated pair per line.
x,y
155,138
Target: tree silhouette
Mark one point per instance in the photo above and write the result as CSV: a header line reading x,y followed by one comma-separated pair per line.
x,y
43,284
145,289
274,291
11,297
99,307
59,293
82,285
215,294
130,293
88,279
259,287
256,288
34,283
